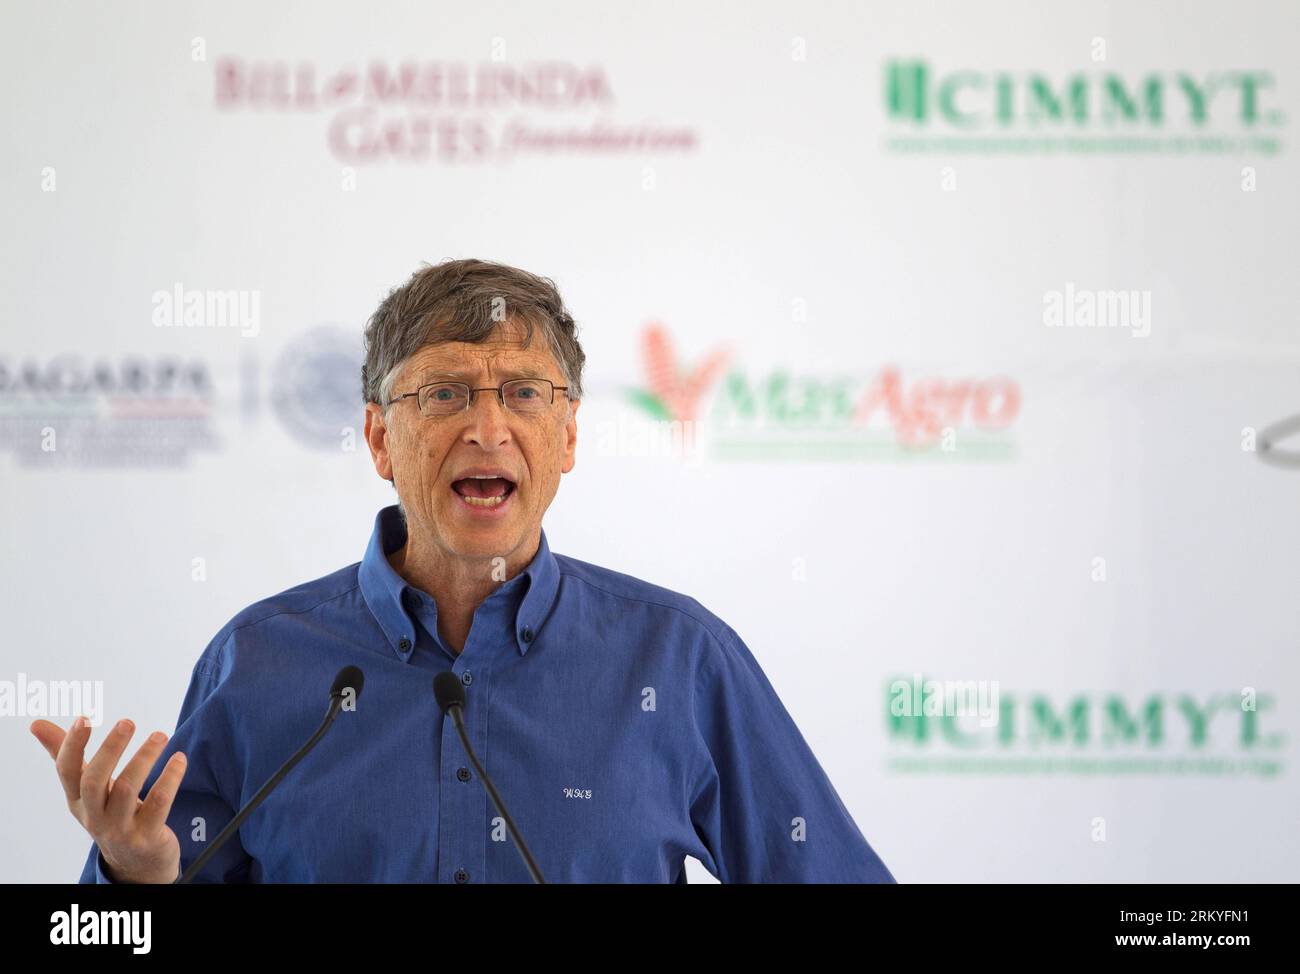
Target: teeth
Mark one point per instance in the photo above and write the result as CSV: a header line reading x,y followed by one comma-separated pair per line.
x,y
483,501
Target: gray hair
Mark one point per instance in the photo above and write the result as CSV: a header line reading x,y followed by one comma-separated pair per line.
x,y
465,301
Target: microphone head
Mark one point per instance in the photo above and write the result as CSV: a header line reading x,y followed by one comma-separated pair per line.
x,y
349,677
448,690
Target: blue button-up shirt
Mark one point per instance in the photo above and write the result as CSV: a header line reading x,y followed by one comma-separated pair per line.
x,y
625,726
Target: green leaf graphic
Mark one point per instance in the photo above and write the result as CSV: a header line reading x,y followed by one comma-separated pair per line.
x,y
649,402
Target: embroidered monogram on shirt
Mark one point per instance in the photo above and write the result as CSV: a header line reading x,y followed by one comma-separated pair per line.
x,y
577,792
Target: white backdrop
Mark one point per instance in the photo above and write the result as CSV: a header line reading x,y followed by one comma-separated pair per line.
x,y
1088,527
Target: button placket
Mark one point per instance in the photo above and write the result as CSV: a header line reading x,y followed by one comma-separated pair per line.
x,y
463,846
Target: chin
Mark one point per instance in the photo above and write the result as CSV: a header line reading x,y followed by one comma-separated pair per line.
x,y
481,536
484,546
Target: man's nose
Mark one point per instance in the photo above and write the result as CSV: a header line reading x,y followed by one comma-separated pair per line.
x,y
487,419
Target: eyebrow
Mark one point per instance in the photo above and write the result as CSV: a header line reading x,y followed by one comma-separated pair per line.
x,y
525,372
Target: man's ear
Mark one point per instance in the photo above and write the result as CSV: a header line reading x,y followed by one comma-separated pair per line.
x,y
377,440
571,437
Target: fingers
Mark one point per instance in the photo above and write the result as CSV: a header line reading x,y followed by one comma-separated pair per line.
x,y
152,815
96,778
70,759
49,734
123,793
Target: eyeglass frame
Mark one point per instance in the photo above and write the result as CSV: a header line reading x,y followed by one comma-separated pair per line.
x,y
500,390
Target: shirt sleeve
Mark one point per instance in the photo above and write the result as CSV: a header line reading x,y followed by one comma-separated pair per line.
x,y
209,792
763,806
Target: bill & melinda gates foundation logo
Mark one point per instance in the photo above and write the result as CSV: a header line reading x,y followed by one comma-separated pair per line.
x,y
1081,112
1227,733
717,408
447,111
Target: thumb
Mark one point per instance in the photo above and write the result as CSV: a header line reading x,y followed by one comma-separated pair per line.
x,y
49,734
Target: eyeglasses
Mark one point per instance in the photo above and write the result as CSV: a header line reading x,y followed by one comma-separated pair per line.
x,y
517,395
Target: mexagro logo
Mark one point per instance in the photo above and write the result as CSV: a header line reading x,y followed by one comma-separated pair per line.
x,y
1028,112
886,414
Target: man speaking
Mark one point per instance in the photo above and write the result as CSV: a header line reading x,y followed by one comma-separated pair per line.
x,y
624,725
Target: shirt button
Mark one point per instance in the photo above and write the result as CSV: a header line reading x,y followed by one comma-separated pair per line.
x,y
462,774
466,678
527,634
404,644
462,876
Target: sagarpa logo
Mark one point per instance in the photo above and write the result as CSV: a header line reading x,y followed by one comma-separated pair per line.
x,y
140,411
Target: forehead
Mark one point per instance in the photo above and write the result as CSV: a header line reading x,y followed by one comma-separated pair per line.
x,y
500,353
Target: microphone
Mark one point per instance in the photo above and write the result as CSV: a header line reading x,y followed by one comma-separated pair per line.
x,y
349,678
450,694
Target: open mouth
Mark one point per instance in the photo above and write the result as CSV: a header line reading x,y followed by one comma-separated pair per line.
x,y
484,493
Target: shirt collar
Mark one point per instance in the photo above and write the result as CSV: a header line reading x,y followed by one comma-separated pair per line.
x,y
533,590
